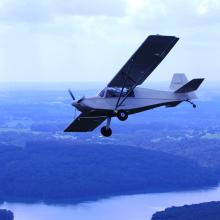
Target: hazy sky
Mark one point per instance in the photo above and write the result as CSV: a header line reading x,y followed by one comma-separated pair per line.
x,y
89,40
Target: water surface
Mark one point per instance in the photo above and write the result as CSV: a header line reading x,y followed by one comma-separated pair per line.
x,y
135,207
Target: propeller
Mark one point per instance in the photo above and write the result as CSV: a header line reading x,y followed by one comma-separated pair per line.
x,y
73,97
71,94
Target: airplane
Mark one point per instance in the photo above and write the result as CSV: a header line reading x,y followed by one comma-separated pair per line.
x,y
123,96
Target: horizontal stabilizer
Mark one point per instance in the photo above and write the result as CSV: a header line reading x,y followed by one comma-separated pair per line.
x,y
190,86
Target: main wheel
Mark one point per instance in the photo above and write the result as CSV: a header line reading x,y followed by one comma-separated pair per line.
x,y
106,132
122,115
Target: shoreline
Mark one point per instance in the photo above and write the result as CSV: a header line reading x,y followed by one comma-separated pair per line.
x,y
81,200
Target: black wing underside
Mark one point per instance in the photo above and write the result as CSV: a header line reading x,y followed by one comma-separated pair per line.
x,y
144,61
85,123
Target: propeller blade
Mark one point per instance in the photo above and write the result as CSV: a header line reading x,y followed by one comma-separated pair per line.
x,y
71,94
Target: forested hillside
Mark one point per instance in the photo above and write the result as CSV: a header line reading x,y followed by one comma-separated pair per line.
x,y
203,211
6,215
58,172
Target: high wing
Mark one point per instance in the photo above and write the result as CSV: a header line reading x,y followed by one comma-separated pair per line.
x,y
144,61
85,123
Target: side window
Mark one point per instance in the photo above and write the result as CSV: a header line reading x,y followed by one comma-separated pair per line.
x,y
115,92
112,92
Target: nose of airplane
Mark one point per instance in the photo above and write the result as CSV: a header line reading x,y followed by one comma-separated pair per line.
x,y
79,105
75,104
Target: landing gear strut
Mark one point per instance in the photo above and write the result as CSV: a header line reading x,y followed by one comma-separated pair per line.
x,y
193,104
122,115
106,130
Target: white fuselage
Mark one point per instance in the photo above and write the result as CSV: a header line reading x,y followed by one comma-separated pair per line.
x,y
142,98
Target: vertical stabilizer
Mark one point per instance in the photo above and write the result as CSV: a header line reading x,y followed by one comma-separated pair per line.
x,y
178,80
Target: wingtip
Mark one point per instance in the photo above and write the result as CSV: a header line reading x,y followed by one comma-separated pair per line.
x,y
200,79
161,35
66,130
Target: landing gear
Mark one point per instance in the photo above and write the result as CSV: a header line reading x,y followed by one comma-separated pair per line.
x,y
106,130
193,104
122,115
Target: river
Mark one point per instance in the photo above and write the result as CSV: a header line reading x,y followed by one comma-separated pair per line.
x,y
132,207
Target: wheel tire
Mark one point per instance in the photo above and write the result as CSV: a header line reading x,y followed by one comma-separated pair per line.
x,y
122,115
106,132
194,106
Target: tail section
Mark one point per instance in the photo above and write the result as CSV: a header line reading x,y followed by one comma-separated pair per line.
x,y
180,84
190,86
178,80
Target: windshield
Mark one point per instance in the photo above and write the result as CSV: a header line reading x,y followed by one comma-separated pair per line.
x,y
115,92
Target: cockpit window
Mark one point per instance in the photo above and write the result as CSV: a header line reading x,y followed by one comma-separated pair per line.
x,y
102,93
115,92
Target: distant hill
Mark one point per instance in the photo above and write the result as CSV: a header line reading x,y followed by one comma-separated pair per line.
x,y
203,211
6,215
64,173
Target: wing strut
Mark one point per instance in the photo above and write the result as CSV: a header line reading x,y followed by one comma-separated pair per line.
x,y
126,77
128,93
122,89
